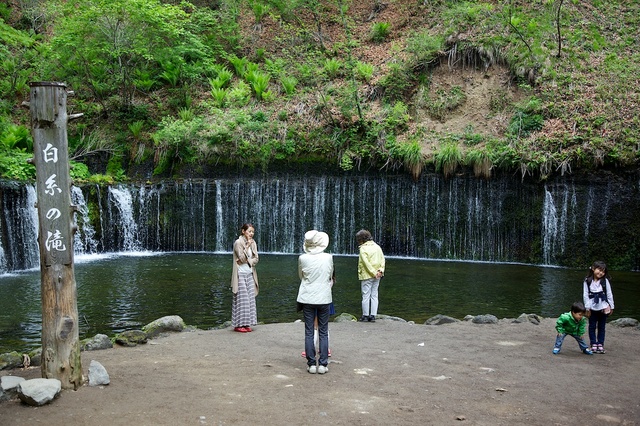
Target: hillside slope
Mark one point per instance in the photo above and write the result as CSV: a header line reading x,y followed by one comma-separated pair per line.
x,y
538,87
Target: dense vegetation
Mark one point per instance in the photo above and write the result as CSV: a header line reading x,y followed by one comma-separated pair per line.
x,y
174,88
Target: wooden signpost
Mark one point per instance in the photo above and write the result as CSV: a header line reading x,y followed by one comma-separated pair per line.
x,y
60,336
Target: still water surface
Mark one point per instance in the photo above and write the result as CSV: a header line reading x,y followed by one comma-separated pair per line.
x,y
122,292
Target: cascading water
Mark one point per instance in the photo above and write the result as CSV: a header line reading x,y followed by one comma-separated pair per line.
x,y
19,239
84,238
549,227
120,198
498,220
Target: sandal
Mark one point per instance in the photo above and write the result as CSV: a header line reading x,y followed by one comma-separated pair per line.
x,y
601,349
594,348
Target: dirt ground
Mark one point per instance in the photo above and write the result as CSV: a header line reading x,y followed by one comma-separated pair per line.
x,y
383,373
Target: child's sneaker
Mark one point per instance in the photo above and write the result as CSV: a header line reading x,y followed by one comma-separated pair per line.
x,y
556,351
588,351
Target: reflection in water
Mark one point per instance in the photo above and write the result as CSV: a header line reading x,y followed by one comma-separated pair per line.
x,y
117,293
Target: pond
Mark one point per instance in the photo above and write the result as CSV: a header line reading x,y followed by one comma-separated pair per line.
x,y
121,291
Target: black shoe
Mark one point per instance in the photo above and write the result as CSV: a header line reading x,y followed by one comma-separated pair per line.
x,y
372,318
363,318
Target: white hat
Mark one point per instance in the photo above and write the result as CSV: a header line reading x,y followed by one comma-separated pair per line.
x,y
315,241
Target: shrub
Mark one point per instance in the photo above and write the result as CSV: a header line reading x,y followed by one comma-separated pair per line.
x,y
289,84
397,117
332,67
396,82
136,128
380,31
448,158
364,71
481,162
527,118
219,96
259,81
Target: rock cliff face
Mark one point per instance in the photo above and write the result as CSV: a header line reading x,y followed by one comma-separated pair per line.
x,y
566,221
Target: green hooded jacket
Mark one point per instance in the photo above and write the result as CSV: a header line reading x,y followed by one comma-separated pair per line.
x,y
566,324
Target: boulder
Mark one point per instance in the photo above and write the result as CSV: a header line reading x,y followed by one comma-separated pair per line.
x,y
345,317
36,357
440,319
95,343
98,374
390,318
485,319
131,338
10,360
532,318
625,322
38,392
9,387
164,324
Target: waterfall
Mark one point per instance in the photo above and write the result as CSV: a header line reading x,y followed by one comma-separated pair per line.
x,y
549,227
122,200
500,220
84,241
19,229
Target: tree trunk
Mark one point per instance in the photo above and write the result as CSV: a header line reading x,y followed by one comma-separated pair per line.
x,y
60,341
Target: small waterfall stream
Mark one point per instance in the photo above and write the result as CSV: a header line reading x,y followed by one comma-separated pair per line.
x,y
566,221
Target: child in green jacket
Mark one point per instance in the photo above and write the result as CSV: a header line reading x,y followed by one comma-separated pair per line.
x,y
573,324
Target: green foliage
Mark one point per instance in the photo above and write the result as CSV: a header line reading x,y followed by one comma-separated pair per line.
x,y
99,44
397,117
397,82
424,48
307,74
134,64
100,179
78,172
174,142
222,79
448,158
333,67
346,161
259,81
259,9
14,137
239,64
409,154
467,14
276,67
144,80
363,71
481,162
289,84
380,31
171,73
14,165
18,54
219,97
239,94
136,128
5,12
527,118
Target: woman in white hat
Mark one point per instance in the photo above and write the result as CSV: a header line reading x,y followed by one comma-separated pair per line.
x,y
315,268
